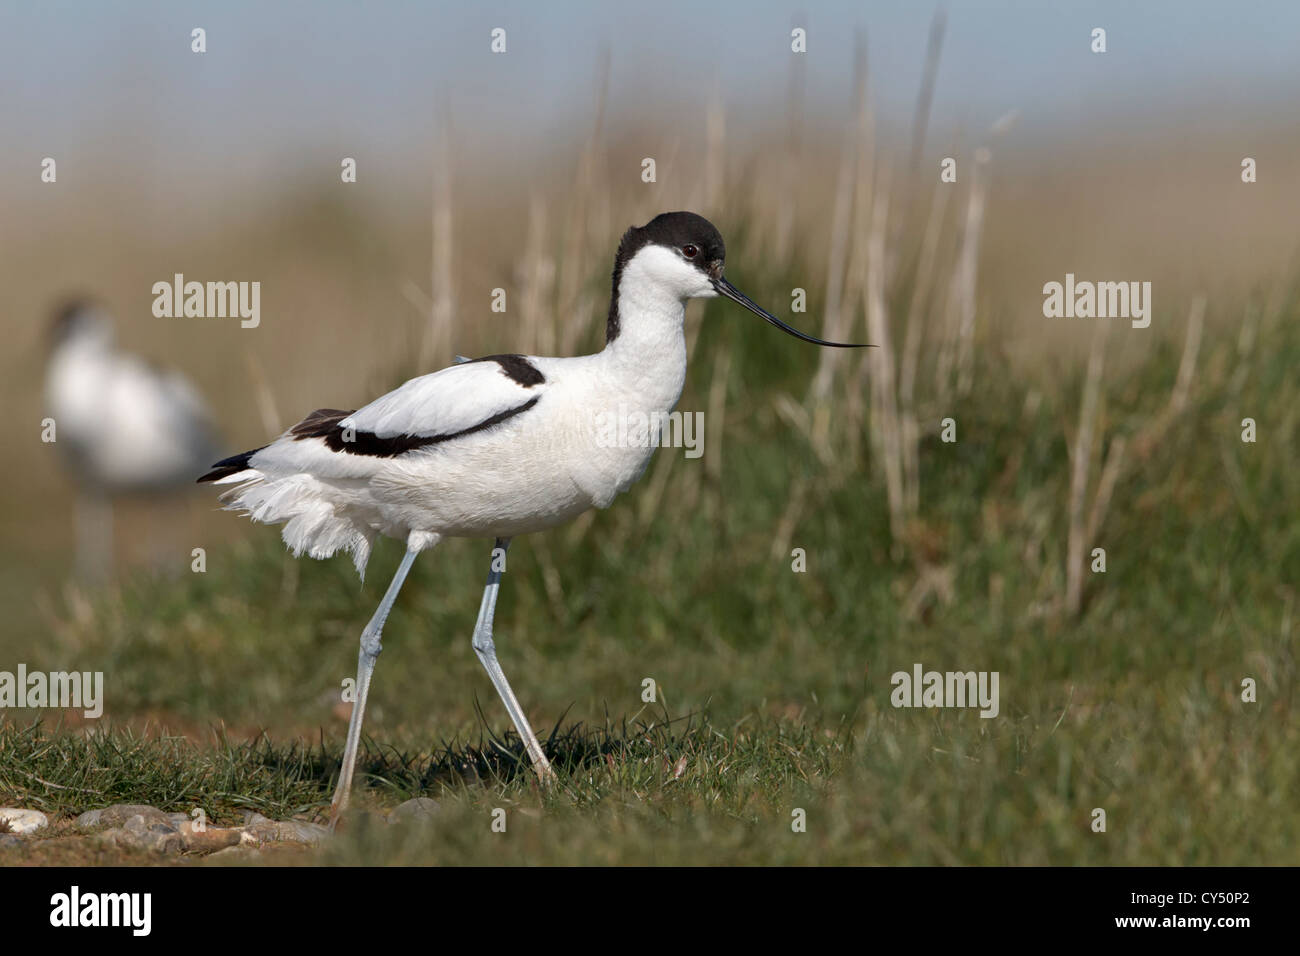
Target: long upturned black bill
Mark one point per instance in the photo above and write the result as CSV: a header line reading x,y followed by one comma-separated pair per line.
x,y
735,295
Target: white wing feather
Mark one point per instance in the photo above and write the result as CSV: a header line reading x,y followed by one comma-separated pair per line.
x,y
323,496
446,402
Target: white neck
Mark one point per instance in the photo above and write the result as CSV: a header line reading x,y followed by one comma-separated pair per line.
x,y
649,352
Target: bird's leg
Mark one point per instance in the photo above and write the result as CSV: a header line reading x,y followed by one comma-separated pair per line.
x,y
94,536
487,653
370,648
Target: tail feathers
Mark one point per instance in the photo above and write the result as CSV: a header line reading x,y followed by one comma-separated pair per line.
x,y
227,468
311,523
319,532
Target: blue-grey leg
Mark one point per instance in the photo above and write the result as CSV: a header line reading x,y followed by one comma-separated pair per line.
x,y
94,534
370,648
487,654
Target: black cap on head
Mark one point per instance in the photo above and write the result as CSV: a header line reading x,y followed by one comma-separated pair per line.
x,y
675,229
69,317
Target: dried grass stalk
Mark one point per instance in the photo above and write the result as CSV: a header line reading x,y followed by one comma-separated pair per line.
x,y
884,403
1081,468
848,187
437,342
917,314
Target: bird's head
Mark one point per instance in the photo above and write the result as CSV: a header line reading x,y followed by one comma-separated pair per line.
x,y
80,320
683,255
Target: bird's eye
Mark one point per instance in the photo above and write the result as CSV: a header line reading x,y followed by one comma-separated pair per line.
x,y
690,250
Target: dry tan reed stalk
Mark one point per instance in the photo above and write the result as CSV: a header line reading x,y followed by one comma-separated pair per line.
x,y
787,180
420,300
538,329
550,573
956,349
849,189
935,580
272,423
436,346
1110,473
577,528
942,325
958,357
290,578
858,415
715,154
836,265
910,183
916,314
1245,348
920,127
572,268
792,413
783,537
866,190
1178,400
967,270
1081,468
716,418
1180,395
572,304
946,346
925,97
1187,366
884,397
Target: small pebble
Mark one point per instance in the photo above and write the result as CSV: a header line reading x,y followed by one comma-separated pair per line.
x,y
24,821
88,819
118,814
284,831
141,833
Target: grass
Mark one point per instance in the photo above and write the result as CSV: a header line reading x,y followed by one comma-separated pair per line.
x,y
1133,706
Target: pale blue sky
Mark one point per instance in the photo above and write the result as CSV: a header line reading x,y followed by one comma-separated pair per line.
x,y
352,75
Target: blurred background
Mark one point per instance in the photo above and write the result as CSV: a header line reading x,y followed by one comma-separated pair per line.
x,y
521,170
526,165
